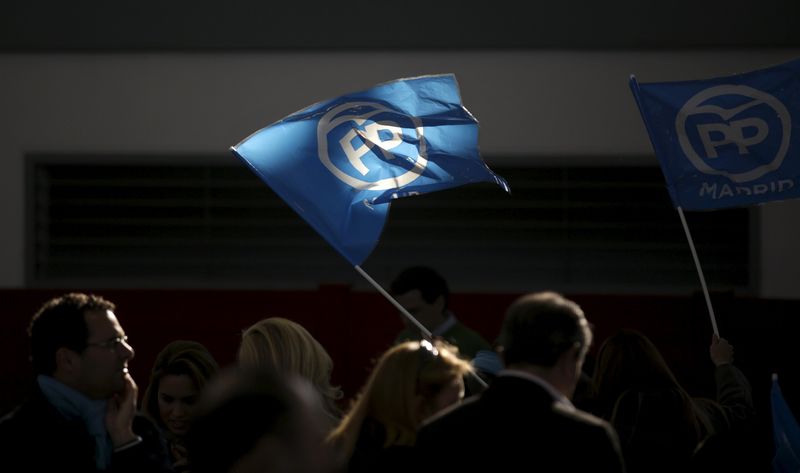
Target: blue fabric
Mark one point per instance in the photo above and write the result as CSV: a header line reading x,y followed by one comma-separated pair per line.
x,y
339,163
728,141
488,361
75,406
786,433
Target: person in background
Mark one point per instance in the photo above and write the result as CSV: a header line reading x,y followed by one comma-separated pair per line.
x,y
524,420
179,374
287,347
659,424
81,415
258,421
410,382
425,295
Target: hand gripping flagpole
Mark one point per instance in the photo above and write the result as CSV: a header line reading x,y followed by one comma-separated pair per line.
x,y
425,332
699,272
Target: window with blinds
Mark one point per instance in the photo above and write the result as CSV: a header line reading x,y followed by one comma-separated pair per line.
x,y
105,223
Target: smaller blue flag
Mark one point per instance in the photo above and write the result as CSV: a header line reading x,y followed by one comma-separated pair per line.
x,y
339,163
786,433
729,141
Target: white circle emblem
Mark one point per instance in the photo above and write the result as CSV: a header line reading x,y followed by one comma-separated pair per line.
x,y
694,106
339,115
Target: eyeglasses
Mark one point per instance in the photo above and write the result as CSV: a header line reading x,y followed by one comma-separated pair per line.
x,y
112,343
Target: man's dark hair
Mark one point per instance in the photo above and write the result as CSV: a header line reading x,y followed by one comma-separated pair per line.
x,y
430,284
540,327
60,323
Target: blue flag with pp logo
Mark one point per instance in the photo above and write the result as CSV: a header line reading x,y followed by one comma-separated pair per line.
x,y
339,163
729,141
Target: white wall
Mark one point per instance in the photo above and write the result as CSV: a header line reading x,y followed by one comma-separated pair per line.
x,y
532,106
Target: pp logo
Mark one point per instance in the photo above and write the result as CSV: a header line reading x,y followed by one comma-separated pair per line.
x,y
371,147
734,131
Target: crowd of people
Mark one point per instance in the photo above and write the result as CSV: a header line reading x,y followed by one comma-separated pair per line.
x,y
529,399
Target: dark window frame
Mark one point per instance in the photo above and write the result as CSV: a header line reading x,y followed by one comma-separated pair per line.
x,y
438,216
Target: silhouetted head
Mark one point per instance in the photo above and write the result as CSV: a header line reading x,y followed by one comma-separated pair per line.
x,y
540,327
258,421
423,293
547,334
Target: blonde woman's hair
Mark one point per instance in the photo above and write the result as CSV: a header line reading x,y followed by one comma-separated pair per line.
x,y
282,345
401,375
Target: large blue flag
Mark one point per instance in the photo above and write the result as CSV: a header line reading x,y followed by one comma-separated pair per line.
x,y
726,142
339,163
786,433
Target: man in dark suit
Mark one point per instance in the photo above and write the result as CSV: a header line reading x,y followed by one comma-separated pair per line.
x,y
525,421
81,415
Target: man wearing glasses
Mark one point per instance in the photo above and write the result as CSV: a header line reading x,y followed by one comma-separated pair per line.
x,y
81,415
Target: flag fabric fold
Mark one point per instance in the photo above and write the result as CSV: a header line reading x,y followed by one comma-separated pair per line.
x,y
340,163
728,141
786,433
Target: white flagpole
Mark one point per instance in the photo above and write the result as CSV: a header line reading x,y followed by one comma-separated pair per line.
x,y
425,332
699,272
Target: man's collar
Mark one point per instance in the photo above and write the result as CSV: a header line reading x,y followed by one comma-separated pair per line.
x,y
448,323
557,395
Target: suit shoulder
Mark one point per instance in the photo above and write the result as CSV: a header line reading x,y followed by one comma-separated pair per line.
x,y
452,416
578,416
